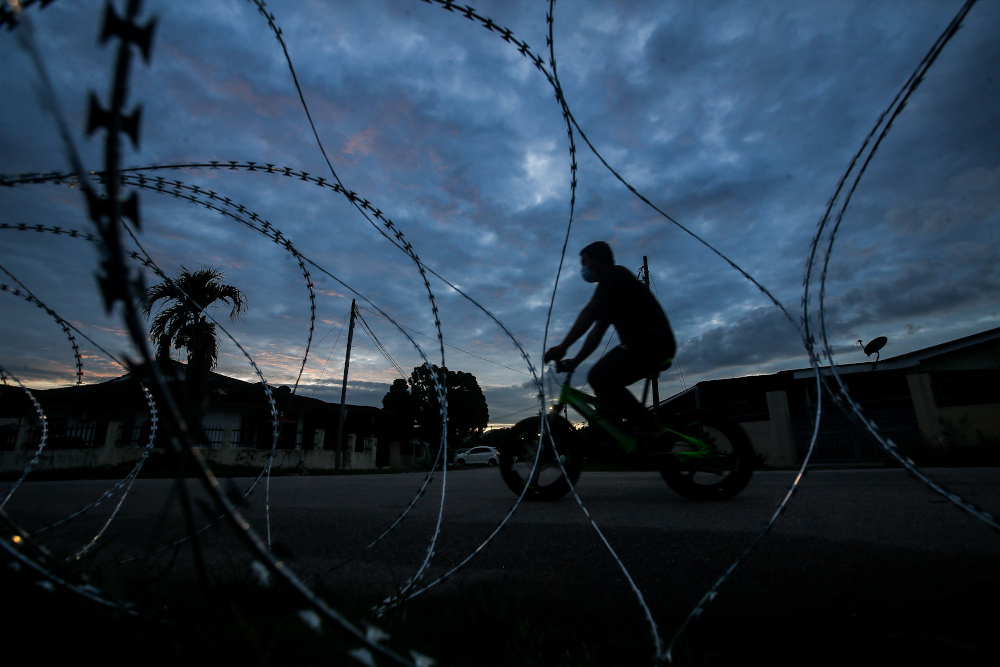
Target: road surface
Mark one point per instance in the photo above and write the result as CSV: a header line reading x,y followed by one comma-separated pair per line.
x,y
857,555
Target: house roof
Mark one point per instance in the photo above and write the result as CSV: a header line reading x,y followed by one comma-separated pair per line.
x,y
988,341
125,390
981,350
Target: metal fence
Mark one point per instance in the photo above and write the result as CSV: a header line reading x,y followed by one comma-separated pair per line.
x,y
240,438
66,437
884,400
131,435
212,436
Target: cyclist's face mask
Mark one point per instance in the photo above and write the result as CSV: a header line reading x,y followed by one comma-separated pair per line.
x,y
588,273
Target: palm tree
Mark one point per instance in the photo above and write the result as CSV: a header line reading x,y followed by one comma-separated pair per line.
x,y
182,322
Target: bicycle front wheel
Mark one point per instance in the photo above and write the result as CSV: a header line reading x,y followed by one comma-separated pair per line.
x,y
723,472
546,480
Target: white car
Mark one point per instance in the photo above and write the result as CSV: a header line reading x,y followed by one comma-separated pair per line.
x,y
487,455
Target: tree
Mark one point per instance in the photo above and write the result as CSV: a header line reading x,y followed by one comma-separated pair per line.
x,y
399,406
468,412
181,323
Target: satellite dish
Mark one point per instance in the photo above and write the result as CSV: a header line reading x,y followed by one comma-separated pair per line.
x,y
875,345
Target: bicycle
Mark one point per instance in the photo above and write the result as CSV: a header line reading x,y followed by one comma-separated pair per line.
x,y
703,456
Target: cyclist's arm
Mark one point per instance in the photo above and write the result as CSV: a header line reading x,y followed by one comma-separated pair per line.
x,y
594,339
584,321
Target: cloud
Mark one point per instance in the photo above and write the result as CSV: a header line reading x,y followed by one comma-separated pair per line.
x,y
736,120
751,342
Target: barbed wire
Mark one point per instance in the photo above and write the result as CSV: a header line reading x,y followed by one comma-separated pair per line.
x,y
26,294
42,440
145,260
113,204
120,287
878,134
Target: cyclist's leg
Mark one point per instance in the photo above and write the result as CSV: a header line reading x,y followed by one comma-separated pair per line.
x,y
611,376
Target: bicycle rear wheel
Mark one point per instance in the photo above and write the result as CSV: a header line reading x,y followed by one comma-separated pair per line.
x,y
519,450
719,476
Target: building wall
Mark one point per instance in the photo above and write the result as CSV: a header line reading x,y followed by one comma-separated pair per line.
x,y
107,457
108,453
397,457
772,438
361,456
959,398
87,424
975,418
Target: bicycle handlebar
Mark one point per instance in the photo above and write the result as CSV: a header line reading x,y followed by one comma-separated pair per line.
x,y
560,367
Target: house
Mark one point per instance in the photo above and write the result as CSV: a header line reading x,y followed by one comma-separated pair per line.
x,y
111,422
918,399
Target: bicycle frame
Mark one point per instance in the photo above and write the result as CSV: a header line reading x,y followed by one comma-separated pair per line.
x,y
596,412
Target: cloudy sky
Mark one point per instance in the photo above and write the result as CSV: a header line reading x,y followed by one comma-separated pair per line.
x,y
736,119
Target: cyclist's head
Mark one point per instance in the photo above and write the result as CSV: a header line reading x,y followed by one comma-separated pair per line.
x,y
600,251
595,258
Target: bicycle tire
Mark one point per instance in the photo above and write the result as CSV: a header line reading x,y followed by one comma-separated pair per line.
x,y
719,477
518,453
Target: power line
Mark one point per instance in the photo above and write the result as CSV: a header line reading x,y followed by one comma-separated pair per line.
x,y
339,325
335,343
471,354
278,373
378,344
332,350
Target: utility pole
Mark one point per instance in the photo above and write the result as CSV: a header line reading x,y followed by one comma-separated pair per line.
x,y
653,380
343,392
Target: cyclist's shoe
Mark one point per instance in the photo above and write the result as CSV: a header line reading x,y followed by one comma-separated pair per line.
x,y
655,439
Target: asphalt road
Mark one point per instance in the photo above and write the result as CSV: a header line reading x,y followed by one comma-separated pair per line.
x,y
857,555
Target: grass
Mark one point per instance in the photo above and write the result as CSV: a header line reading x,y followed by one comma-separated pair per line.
x,y
957,446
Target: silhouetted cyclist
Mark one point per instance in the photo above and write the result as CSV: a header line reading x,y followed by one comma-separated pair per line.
x,y
647,341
